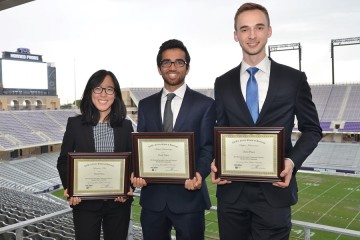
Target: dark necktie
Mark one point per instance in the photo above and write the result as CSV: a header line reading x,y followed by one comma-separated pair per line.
x,y
252,95
168,115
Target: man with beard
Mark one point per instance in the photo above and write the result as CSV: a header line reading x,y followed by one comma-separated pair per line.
x,y
180,206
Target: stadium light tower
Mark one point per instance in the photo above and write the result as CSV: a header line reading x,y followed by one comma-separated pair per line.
x,y
286,47
337,43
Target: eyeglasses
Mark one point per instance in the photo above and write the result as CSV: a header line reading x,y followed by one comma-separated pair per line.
x,y
177,63
108,90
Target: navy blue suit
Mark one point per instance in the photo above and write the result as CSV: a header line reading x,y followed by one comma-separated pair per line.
x,y
197,114
288,96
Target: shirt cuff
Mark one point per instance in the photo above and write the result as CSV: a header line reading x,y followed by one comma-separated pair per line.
x,y
293,165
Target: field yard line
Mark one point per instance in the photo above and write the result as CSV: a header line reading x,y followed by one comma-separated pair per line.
x,y
336,204
354,218
315,198
208,224
303,189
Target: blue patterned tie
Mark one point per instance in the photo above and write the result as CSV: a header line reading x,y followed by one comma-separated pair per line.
x,y
252,95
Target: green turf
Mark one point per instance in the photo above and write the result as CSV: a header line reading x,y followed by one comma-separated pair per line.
x,y
59,193
323,199
328,200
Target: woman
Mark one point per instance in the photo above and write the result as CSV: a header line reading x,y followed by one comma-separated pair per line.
x,y
101,127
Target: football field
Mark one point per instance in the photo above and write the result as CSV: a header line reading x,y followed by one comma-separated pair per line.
x,y
323,199
328,200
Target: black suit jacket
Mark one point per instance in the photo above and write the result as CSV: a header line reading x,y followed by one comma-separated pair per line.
x,y
288,96
79,137
197,114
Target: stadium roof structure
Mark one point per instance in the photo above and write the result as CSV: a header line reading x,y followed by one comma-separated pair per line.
x,y
5,4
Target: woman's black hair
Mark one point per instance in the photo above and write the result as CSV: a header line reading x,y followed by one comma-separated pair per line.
x,y
90,114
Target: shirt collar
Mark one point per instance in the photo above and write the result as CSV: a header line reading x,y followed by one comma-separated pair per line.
x,y
180,92
263,66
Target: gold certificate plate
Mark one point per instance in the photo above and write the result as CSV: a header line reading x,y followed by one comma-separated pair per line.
x,y
164,157
251,154
98,175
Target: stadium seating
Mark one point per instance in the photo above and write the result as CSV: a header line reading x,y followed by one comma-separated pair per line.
x,y
32,128
326,126
352,108
139,93
333,102
351,127
17,206
338,157
320,96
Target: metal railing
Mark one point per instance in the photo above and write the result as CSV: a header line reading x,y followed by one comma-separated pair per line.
x,y
18,227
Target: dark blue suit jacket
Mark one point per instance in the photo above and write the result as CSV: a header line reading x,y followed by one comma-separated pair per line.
x,y
197,114
288,95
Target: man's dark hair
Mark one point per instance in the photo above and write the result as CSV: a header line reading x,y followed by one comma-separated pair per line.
x,y
90,114
171,44
251,6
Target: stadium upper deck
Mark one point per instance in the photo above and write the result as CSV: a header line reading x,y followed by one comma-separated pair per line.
x,y
338,107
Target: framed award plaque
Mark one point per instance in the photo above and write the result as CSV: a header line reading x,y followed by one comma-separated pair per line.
x,y
164,157
98,175
253,154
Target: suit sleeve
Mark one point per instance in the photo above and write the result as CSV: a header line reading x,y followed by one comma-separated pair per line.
x,y
206,151
68,145
220,109
141,119
308,124
129,129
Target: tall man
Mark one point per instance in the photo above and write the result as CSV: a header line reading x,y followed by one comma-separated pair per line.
x,y
167,205
262,210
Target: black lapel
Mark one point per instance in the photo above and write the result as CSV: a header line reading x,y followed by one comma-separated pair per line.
x,y
157,111
89,136
117,139
274,85
186,105
239,97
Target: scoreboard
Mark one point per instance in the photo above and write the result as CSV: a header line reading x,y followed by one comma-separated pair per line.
x,y
22,73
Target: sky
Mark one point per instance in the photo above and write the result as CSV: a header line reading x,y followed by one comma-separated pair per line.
x,y
124,36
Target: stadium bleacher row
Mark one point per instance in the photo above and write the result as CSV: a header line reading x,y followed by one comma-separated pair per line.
x,y
22,129
33,174
338,106
17,206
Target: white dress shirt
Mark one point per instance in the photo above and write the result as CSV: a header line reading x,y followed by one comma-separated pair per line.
x,y
175,103
262,77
